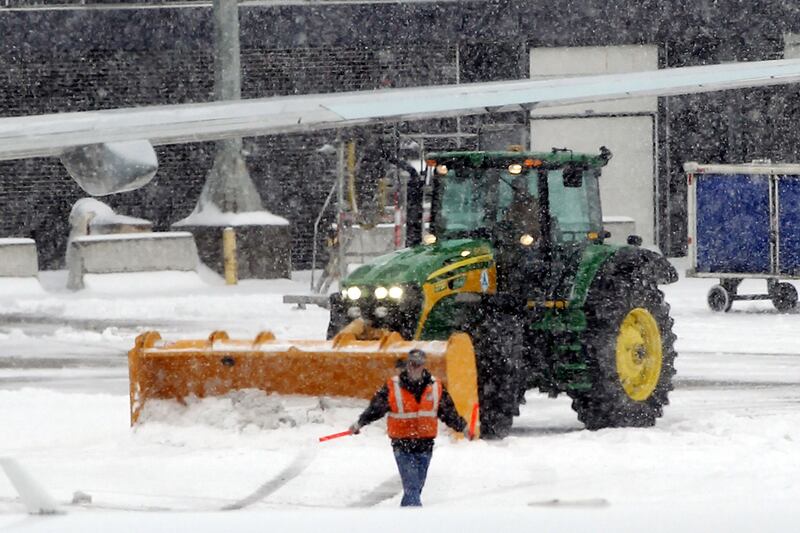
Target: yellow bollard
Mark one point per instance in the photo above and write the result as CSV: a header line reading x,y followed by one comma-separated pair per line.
x,y
229,256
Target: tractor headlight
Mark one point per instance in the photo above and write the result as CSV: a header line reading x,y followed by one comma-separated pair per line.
x,y
354,293
429,238
526,240
381,293
396,292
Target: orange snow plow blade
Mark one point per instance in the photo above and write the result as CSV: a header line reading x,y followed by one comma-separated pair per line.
x,y
344,366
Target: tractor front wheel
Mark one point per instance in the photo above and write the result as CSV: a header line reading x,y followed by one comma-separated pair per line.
x,y
499,345
630,354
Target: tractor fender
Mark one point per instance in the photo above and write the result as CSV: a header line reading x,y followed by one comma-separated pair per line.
x,y
624,260
643,262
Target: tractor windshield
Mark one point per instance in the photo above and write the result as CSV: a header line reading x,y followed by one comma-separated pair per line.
x,y
575,211
475,201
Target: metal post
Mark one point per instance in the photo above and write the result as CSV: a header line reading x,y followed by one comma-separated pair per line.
x,y
316,233
228,184
229,256
340,231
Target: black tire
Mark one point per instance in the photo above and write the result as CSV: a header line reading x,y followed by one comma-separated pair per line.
x,y
719,299
637,402
499,344
784,297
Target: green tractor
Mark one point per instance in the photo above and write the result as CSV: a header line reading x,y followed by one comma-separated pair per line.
x,y
515,256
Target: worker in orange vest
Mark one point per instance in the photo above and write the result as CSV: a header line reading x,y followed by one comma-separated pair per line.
x,y
414,401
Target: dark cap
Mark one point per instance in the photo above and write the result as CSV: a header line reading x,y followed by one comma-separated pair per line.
x,y
416,356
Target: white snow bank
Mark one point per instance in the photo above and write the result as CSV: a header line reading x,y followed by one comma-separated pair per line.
x,y
20,286
242,410
143,282
656,518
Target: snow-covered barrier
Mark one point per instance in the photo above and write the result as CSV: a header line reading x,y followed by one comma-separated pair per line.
x,y
19,266
18,258
367,244
130,253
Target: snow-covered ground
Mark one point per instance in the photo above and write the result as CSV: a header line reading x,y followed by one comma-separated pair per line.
x,y
725,456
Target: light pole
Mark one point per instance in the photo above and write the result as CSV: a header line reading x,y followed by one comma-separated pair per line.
x,y
228,185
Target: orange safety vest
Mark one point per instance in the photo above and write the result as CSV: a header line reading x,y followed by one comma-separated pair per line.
x,y
409,419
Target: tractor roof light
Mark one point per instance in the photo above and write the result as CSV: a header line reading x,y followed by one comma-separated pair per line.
x,y
515,168
441,170
429,238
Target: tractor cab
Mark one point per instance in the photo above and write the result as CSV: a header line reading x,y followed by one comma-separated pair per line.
x,y
533,195
528,205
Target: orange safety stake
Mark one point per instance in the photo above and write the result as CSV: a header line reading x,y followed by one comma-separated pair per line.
x,y
474,419
335,435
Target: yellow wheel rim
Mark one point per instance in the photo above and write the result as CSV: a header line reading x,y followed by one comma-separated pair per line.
x,y
639,354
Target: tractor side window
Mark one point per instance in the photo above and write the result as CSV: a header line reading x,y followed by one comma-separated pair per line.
x,y
576,209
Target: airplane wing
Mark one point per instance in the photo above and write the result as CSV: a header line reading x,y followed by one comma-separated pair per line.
x,y
63,133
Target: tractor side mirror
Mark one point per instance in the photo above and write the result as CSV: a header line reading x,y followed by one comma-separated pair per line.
x,y
572,177
634,240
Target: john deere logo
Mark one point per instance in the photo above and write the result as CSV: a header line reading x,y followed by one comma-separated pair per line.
x,y
484,280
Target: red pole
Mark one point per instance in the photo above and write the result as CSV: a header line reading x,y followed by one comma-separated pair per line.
x,y
335,435
474,419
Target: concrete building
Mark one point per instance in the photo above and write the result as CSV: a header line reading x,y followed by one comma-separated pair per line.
x,y
80,55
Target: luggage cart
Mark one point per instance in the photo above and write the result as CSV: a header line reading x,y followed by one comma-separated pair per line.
x,y
744,222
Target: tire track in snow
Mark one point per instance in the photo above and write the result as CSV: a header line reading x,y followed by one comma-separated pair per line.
x,y
294,469
384,491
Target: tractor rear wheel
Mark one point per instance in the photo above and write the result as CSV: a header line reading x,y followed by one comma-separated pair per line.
x,y
499,346
630,353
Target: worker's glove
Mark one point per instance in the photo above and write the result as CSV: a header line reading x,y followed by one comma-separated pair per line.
x,y
355,429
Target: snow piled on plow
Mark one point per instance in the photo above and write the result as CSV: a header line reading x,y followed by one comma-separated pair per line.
x,y
243,411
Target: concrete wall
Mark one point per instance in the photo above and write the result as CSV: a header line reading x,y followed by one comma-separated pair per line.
x,y
626,127
130,252
18,258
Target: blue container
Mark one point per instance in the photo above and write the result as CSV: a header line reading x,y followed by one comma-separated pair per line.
x,y
733,227
788,215
744,222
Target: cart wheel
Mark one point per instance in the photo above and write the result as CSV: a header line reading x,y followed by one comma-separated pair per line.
x,y
784,297
719,299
